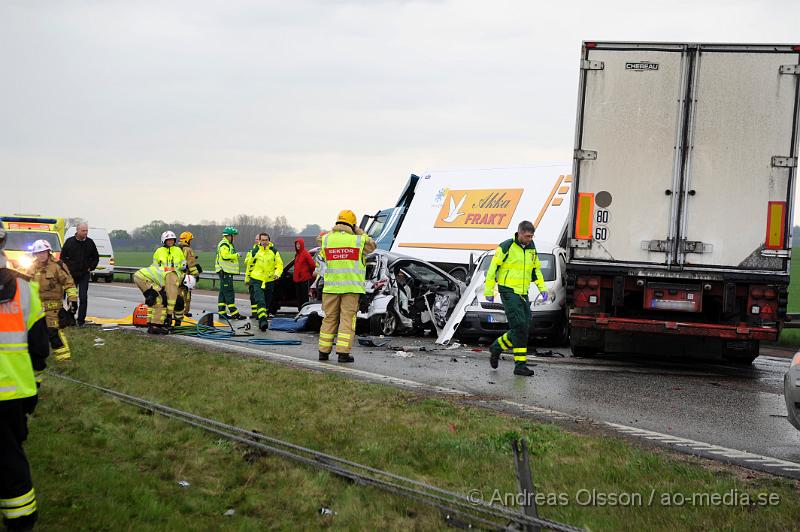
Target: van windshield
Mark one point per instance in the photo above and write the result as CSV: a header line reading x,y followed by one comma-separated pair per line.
x,y
23,240
376,227
547,260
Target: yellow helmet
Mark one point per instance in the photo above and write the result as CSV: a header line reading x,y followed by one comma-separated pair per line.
x,y
347,216
186,237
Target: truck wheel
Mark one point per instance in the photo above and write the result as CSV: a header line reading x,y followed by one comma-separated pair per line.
x,y
562,338
383,324
583,351
741,355
108,278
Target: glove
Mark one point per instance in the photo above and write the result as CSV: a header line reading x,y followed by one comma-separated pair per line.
x,y
490,299
545,296
73,307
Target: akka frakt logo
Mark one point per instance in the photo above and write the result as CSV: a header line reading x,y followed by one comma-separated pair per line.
x,y
478,209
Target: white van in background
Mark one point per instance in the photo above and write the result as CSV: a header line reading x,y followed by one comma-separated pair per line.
x,y
105,268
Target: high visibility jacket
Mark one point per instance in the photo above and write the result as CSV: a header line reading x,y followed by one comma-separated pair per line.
x,y
345,269
54,282
17,316
227,260
514,267
267,264
154,274
192,267
169,259
249,261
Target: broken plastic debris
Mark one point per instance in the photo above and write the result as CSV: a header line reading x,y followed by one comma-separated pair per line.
x,y
183,484
99,342
369,341
326,511
230,512
454,345
403,354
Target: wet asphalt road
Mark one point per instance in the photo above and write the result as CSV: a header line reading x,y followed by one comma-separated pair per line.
x,y
735,407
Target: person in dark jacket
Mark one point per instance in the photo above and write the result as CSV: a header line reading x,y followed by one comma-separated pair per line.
x,y
303,271
24,332
80,255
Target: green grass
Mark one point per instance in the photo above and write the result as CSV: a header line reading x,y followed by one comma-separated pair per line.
x,y
102,465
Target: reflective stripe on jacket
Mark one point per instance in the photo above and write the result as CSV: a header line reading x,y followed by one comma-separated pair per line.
x,y
154,274
17,316
345,270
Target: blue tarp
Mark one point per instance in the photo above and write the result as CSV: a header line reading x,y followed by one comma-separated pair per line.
x,y
288,324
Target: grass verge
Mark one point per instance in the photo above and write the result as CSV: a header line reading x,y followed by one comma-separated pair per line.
x,y
100,464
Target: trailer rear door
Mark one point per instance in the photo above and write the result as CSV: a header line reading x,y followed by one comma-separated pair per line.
x,y
630,119
737,194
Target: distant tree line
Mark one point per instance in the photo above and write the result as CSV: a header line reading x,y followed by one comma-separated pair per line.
x,y
207,233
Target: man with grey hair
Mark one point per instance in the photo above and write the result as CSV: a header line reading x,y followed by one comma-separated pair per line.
x,y
514,265
80,255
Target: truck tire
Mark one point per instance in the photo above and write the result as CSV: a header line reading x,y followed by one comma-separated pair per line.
x,y
585,343
108,278
742,356
384,324
562,338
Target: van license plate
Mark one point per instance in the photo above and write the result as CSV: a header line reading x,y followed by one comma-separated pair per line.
x,y
497,318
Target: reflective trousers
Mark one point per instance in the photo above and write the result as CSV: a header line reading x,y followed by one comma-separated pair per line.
x,y
17,496
518,312
339,324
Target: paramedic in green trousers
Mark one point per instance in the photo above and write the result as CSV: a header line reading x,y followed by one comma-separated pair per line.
x,y
514,266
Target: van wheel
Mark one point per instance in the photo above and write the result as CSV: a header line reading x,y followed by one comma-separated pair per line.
x,y
459,273
108,278
383,324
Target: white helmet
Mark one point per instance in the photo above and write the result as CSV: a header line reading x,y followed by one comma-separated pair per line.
x,y
167,235
190,281
41,245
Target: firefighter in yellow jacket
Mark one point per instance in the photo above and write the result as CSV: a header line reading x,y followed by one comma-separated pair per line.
x,y
267,266
170,259
194,270
24,346
54,282
344,250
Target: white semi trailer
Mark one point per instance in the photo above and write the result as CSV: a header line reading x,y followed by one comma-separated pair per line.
x,y
685,165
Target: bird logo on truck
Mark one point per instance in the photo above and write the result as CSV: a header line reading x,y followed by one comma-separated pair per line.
x,y
479,209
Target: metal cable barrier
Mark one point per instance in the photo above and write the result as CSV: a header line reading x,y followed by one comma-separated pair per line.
x,y
475,511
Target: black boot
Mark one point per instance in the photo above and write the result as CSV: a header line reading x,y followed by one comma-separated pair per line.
x,y
324,356
494,357
263,325
345,357
522,370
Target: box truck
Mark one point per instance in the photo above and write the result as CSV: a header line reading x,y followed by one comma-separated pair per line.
x,y
685,164
450,217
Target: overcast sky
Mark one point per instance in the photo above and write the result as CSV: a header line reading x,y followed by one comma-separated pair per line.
x,y
127,111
